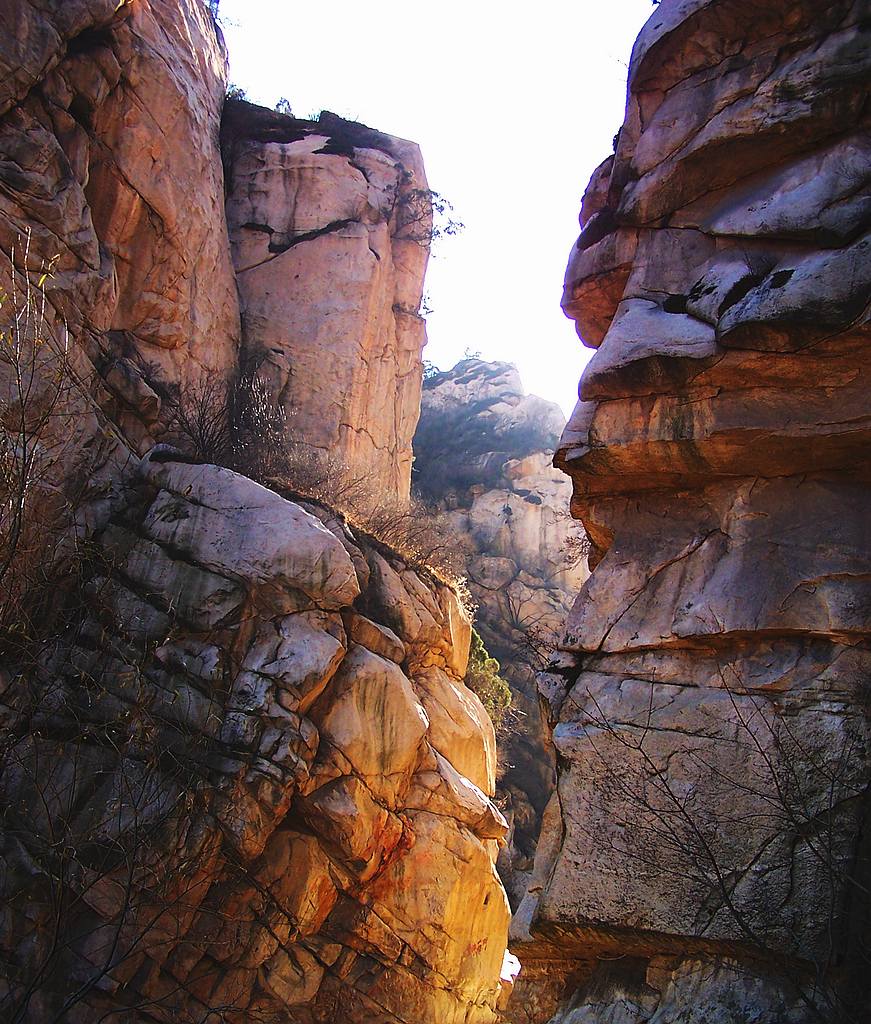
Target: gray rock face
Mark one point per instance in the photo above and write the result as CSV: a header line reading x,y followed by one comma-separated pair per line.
x,y
483,452
710,707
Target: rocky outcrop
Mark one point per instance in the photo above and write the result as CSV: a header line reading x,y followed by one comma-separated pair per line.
x,y
483,454
710,704
240,775
261,724
329,223
98,96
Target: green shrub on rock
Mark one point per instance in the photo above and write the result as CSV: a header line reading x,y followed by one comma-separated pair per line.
x,y
483,679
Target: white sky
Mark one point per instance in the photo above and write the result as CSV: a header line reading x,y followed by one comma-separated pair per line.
x,y
513,107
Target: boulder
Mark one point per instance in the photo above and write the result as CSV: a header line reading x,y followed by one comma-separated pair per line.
x,y
225,521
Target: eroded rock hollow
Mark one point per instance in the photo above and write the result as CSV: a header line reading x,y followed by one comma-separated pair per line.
x,y
707,857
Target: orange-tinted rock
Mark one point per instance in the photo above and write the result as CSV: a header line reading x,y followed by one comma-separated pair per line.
x,y
328,222
239,772
143,268
317,822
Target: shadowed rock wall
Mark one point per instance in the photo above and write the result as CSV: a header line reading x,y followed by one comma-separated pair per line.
x,y
710,716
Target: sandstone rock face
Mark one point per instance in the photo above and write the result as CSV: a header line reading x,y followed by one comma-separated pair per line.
x,y
329,223
288,829
110,119
710,704
483,453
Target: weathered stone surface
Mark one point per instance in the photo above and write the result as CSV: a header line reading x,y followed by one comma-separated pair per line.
x,y
457,723
100,96
329,227
635,991
371,715
435,626
377,638
218,788
710,699
111,175
319,840
219,519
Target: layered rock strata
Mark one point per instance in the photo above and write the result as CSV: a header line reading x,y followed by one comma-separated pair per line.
x,y
483,455
329,224
270,782
708,858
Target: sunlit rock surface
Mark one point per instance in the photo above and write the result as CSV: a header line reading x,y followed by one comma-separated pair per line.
x,y
327,843
710,711
329,224
483,453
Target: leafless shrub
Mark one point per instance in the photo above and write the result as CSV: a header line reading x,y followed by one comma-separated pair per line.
x,y
420,535
422,215
200,420
243,427
40,396
260,429
576,548
237,424
417,532
785,793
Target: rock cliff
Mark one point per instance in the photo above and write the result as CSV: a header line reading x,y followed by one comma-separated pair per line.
x,y
708,851
111,117
96,96
239,771
329,224
483,453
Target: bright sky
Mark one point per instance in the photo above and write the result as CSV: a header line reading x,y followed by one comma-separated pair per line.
x,y
513,106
